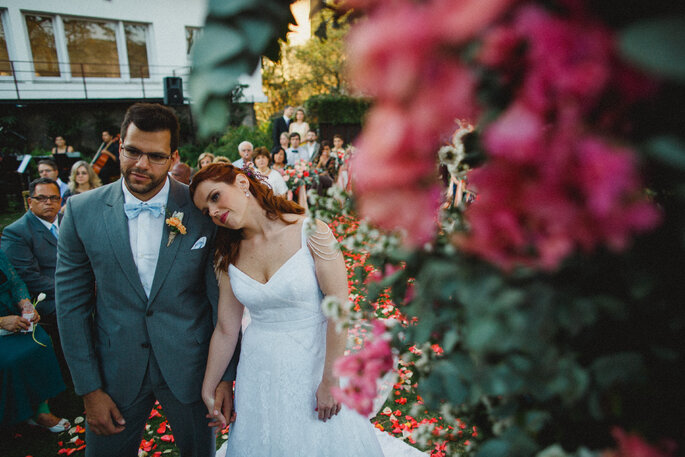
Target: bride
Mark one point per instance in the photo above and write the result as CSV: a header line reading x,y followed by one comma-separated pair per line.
x,y
268,263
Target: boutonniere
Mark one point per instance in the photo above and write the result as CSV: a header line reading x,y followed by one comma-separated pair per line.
x,y
175,223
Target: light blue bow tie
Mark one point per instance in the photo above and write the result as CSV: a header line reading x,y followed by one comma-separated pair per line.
x,y
132,210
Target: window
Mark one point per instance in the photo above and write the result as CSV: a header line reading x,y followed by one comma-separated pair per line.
x,y
136,47
42,38
192,35
5,67
92,48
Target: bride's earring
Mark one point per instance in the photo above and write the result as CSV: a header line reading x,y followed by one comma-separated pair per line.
x,y
247,194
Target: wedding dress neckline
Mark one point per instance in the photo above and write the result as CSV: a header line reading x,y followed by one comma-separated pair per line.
x,y
303,245
273,275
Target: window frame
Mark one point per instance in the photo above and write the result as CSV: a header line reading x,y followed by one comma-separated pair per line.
x,y
64,60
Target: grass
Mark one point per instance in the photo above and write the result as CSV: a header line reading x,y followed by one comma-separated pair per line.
x,y
6,218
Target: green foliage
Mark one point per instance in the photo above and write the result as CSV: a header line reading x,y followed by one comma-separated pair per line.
x,y
336,109
235,36
657,45
227,145
315,67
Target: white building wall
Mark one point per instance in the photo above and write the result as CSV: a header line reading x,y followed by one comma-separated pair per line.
x,y
166,45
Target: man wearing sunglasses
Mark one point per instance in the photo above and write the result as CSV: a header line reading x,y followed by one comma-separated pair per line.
x,y
31,246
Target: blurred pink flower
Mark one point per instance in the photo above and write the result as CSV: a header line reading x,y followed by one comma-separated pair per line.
x,y
412,209
363,369
517,134
579,193
630,445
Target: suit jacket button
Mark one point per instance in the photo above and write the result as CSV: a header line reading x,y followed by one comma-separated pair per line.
x,y
145,345
149,313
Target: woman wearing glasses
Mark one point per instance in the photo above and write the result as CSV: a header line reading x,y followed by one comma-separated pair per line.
x,y
82,179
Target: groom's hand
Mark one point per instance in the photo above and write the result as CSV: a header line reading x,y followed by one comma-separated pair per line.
x,y
102,414
223,403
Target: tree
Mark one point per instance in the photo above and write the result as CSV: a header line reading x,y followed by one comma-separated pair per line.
x,y
313,68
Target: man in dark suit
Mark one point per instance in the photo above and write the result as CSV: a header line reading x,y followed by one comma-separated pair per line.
x,y
143,333
282,123
30,244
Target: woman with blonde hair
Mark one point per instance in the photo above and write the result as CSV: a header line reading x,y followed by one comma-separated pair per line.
x,y
205,159
221,159
299,125
81,179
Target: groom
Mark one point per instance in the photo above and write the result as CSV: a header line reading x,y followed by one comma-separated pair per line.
x,y
137,302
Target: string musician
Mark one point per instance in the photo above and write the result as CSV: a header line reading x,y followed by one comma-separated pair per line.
x,y
106,160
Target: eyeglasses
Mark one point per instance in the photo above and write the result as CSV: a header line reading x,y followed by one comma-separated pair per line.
x,y
154,157
44,198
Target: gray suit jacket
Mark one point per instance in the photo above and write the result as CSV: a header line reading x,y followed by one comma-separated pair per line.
x,y
107,325
32,249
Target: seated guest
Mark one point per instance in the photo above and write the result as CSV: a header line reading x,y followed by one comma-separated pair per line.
x,y
327,162
181,172
82,179
221,159
338,145
312,146
262,161
245,150
294,153
279,161
59,154
29,372
205,159
30,244
284,143
47,168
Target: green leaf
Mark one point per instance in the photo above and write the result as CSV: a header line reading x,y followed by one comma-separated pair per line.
x,y
217,45
656,45
450,339
669,150
494,448
616,368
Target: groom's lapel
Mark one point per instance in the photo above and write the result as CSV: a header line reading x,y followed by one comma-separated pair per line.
x,y
116,225
178,201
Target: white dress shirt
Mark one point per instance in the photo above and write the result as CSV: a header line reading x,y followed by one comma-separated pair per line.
x,y
145,235
293,155
48,225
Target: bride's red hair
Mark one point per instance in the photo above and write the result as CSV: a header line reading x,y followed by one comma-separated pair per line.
x,y
228,240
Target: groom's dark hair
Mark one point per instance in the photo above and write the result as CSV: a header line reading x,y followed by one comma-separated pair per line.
x,y
152,117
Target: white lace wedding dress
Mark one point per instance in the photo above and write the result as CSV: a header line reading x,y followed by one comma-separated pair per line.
x,y
281,364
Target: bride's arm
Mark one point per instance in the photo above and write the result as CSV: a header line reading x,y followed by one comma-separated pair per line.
x,y
221,348
332,276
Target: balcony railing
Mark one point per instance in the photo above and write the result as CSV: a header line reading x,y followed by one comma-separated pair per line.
x,y
32,80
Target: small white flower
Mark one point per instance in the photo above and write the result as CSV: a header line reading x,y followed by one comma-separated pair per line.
x,y
41,297
79,420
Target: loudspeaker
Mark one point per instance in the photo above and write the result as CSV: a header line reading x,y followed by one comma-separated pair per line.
x,y
173,90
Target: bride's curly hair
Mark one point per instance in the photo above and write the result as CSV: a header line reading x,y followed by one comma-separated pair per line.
x,y
228,240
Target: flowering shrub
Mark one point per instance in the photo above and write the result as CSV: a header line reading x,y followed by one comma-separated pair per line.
x,y
555,298
300,174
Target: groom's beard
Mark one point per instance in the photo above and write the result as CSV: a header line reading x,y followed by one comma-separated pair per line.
x,y
142,188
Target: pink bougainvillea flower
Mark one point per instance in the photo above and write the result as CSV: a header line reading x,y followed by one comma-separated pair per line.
x,y
413,210
363,369
631,445
516,134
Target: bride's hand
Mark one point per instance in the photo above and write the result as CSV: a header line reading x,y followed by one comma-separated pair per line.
x,y
326,404
219,404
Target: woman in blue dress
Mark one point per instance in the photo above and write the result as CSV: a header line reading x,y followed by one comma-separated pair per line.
x,y
29,372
